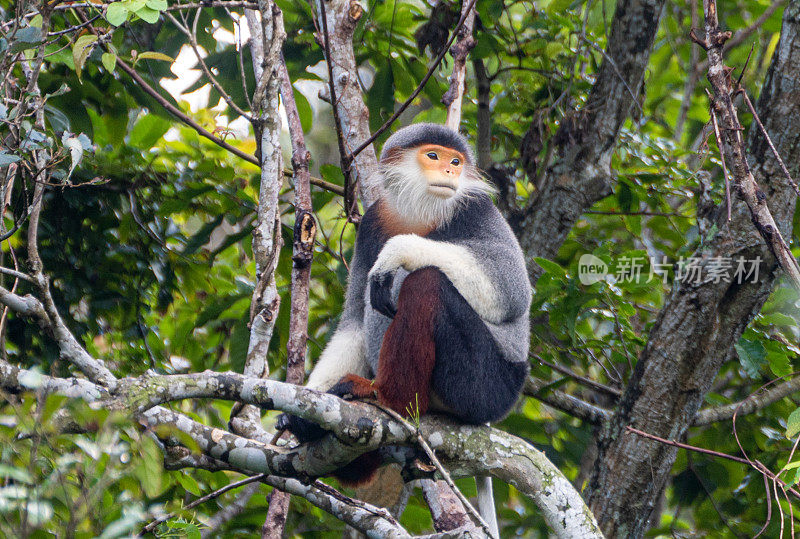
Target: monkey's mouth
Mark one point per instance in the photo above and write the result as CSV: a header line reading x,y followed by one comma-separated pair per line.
x,y
448,186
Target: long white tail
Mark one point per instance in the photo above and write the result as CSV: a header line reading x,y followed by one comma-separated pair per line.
x,y
486,503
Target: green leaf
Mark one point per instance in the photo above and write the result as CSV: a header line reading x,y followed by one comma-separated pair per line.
x,y
332,173
134,5
157,5
791,466
26,38
117,13
778,319
779,363
29,34
58,120
150,55
148,130
149,16
625,197
148,469
752,355
550,267
240,341
189,484
7,159
380,98
81,51
215,307
304,110
192,531
109,60
793,424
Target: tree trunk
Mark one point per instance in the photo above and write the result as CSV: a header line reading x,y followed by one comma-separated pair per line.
x,y
699,324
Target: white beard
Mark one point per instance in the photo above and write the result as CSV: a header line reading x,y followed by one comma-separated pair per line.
x,y
407,192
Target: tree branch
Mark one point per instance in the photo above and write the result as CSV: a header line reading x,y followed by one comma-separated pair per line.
x,y
564,402
356,428
453,97
733,146
341,19
305,229
751,404
265,303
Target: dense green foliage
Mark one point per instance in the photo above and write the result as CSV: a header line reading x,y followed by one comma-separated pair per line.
x,y
148,245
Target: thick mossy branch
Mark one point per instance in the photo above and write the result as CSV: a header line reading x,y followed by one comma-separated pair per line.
x,y
357,427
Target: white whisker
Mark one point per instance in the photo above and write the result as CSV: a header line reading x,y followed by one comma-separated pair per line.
x,y
407,191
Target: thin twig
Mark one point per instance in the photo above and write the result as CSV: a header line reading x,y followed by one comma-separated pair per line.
x,y
388,123
580,379
445,475
688,447
769,508
722,159
769,140
350,203
203,499
192,35
17,274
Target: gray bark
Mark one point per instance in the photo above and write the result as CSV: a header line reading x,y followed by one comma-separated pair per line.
x,y
695,332
581,174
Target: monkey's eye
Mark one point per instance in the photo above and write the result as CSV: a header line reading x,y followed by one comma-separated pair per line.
x,y
455,162
432,156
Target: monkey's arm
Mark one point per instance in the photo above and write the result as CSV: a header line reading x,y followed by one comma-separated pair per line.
x,y
345,352
487,292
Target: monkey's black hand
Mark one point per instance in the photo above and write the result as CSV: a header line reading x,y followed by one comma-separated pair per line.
x,y
304,430
380,293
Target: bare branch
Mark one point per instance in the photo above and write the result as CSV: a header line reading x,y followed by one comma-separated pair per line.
x,y
733,145
454,95
751,404
342,16
741,35
564,402
388,123
267,240
305,229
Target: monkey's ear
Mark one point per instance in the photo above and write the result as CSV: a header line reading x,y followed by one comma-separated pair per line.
x,y
380,293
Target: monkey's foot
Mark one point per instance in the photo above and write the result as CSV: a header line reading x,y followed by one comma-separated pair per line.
x,y
304,430
356,387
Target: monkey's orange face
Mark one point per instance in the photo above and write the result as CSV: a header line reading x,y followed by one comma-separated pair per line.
x,y
441,167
